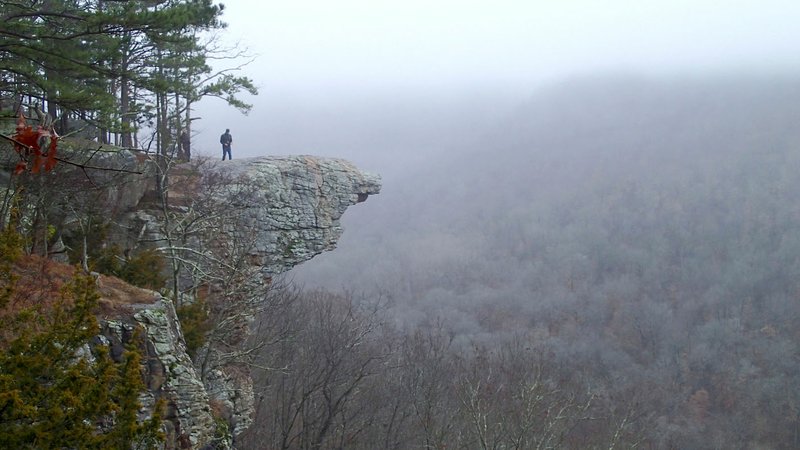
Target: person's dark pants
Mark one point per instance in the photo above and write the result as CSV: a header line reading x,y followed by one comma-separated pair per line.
x,y
226,150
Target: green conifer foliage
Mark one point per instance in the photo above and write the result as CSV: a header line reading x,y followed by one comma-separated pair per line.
x,y
195,324
56,391
111,64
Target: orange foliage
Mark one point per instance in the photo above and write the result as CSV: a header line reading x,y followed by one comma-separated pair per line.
x,y
27,143
40,280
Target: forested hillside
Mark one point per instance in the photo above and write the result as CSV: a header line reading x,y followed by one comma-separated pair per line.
x,y
640,237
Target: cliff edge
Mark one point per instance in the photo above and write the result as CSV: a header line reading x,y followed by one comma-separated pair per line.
x,y
261,217
297,204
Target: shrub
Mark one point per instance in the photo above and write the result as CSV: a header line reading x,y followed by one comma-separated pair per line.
x,y
144,270
56,391
195,324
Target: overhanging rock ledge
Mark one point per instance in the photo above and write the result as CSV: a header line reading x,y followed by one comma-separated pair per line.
x,y
299,202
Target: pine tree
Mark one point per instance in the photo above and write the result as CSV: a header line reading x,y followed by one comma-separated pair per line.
x,y
112,64
55,390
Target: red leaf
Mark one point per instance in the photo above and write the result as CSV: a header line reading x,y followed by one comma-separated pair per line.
x,y
27,145
37,162
50,162
28,137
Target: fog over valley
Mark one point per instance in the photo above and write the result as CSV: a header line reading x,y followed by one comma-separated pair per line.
x,y
400,225
588,234
570,151
640,233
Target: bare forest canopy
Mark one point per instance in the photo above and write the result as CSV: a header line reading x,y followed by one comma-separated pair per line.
x,y
641,237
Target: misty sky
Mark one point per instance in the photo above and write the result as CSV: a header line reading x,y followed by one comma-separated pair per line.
x,y
310,50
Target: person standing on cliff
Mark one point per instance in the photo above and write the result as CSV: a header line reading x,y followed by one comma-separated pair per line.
x,y
226,140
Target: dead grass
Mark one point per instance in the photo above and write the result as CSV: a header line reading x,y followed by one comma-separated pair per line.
x,y
40,281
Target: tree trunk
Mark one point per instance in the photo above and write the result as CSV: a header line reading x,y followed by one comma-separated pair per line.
x,y
124,99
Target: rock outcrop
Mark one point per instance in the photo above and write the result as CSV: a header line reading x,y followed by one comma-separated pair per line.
x,y
292,213
299,202
171,375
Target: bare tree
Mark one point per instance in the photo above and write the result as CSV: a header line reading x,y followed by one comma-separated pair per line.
x,y
313,393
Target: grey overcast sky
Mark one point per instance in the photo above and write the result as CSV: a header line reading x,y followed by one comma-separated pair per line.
x,y
378,42
313,48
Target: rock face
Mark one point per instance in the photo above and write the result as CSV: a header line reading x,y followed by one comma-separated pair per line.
x,y
171,376
292,213
299,203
